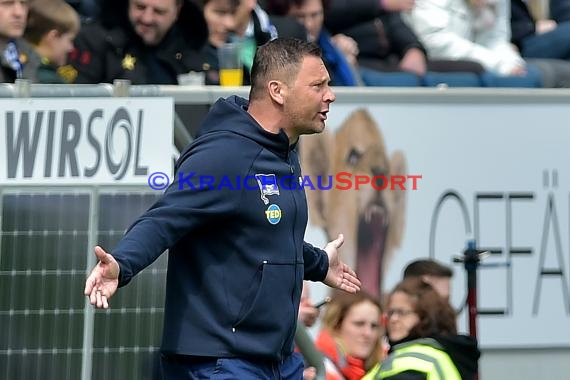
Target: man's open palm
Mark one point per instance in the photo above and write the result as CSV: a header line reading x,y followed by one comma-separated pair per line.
x,y
103,281
340,275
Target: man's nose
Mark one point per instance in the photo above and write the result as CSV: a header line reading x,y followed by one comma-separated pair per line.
x,y
20,8
229,22
330,96
147,15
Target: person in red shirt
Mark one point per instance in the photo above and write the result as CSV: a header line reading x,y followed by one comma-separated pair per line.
x,y
351,336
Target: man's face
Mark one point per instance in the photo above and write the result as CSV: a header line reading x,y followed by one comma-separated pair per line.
x,y
220,17
311,15
308,98
13,15
61,45
152,19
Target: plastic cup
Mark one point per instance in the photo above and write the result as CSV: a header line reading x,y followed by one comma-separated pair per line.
x,y
231,69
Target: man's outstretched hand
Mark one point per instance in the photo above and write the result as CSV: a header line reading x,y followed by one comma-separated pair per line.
x,y
340,275
103,281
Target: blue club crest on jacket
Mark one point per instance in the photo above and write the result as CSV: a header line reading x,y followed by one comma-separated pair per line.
x,y
267,185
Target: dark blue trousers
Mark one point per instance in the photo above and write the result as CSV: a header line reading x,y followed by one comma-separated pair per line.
x,y
553,44
180,367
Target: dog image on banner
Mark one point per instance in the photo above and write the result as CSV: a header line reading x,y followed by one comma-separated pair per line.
x,y
371,220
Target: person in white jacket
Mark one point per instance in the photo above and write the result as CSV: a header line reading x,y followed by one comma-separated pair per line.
x,y
477,30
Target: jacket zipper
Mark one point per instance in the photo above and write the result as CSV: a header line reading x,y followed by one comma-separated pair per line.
x,y
293,324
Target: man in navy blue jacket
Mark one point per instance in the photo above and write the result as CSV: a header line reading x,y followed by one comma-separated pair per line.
x,y
234,222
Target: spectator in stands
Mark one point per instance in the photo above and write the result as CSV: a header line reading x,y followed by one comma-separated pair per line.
x,y
339,51
17,58
431,272
238,21
52,27
384,41
220,20
387,44
543,39
243,22
351,336
342,70
424,343
144,41
473,30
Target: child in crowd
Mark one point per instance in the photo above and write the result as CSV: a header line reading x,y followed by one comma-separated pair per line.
x,y
52,27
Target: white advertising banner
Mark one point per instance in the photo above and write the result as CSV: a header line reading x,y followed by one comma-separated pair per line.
x,y
85,140
497,173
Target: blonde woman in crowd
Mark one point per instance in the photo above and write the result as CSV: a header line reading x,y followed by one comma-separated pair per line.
x,y
351,336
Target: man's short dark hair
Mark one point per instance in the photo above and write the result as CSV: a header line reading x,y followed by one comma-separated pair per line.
x,y
427,267
279,59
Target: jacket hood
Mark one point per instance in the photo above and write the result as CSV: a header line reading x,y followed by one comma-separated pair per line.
x,y
464,352
230,116
191,22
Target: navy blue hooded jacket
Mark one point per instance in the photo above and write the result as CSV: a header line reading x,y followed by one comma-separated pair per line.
x,y
237,256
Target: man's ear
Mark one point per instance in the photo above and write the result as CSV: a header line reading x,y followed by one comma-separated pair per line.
x,y
277,91
397,202
315,151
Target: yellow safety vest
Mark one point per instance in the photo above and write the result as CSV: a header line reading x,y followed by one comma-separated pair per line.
x,y
421,355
